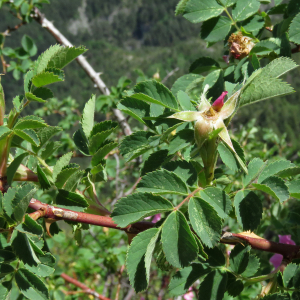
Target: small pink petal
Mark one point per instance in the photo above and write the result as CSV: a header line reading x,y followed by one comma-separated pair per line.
x,y
218,104
276,260
189,295
286,239
156,218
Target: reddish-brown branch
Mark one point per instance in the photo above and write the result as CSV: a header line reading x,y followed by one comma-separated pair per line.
x,y
11,29
56,213
83,287
289,252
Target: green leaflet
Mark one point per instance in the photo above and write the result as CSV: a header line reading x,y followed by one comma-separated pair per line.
x,y
248,209
215,80
61,163
30,285
102,152
213,286
137,109
252,266
202,64
71,200
154,161
49,149
215,29
64,56
263,87
64,175
241,11
28,135
149,252
23,248
294,29
7,256
180,7
184,278
44,134
275,187
181,139
183,82
81,142
138,206
185,170
97,139
135,261
239,258
291,276
44,78
253,24
154,92
43,180
4,132
294,188
135,144
16,201
162,182
30,122
40,94
218,199
56,56
14,165
205,221
30,226
5,288
254,168
198,11
279,66
87,121
45,268
29,45
234,286
178,242
273,168
265,47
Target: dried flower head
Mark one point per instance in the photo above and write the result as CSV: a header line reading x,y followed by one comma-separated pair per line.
x,y
240,46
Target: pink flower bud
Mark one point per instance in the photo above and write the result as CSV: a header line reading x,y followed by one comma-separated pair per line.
x,y
218,104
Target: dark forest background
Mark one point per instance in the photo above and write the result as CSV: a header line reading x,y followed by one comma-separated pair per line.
x,y
126,36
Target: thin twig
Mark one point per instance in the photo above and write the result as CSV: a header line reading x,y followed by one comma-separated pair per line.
x,y
85,289
170,74
94,76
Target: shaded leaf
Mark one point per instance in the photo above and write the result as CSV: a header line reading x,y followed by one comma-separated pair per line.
x,y
248,209
135,261
205,221
178,242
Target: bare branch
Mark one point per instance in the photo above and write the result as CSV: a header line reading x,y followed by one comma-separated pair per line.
x,y
94,76
289,252
169,75
83,287
56,213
